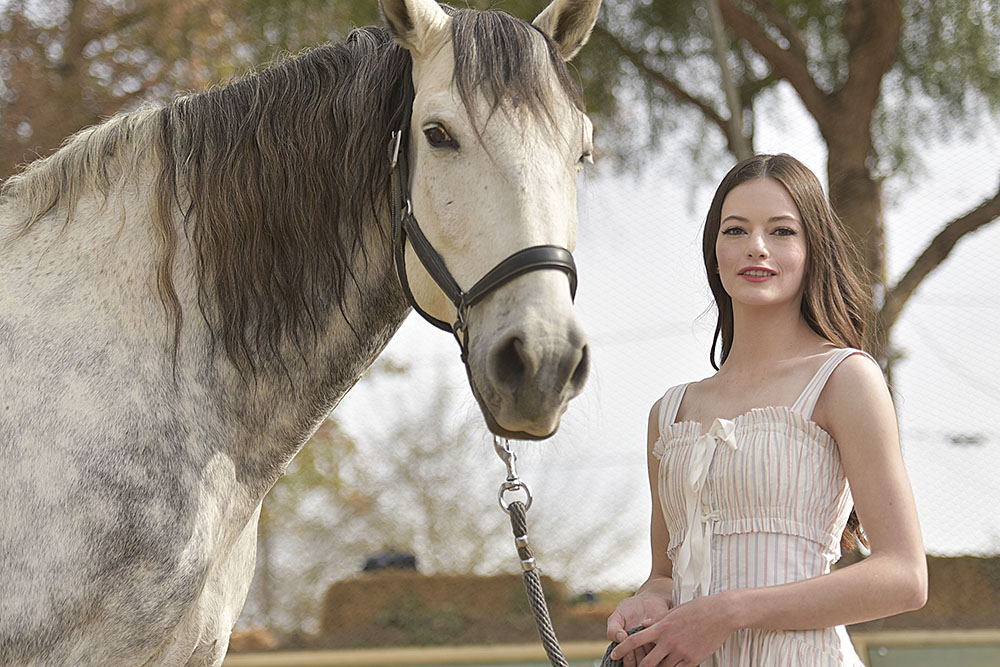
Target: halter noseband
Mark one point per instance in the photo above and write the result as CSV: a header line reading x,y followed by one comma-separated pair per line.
x,y
404,226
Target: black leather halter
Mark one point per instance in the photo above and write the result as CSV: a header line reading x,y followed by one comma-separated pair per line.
x,y
404,226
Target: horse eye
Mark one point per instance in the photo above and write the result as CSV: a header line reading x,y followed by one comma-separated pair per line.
x,y
438,137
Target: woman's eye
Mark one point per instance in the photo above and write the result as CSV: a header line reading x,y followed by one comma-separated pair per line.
x,y
438,137
784,231
732,231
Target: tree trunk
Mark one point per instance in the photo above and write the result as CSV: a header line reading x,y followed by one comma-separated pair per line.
x,y
856,194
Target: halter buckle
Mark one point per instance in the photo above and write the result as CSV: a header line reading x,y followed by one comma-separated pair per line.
x,y
396,138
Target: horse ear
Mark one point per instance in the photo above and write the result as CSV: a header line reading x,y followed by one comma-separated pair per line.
x,y
413,23
568,23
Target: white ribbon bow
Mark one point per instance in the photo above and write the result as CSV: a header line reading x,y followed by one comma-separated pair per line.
x,y
693,567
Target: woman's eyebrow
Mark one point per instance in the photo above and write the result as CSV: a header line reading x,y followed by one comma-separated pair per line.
x,y
777,218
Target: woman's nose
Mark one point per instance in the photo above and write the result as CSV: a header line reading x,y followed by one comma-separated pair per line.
x,y
756,246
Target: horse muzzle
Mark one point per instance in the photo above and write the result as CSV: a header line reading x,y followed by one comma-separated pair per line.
x,y
526,374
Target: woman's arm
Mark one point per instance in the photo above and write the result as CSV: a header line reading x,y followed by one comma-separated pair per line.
x,y
653,599
857,410
855,407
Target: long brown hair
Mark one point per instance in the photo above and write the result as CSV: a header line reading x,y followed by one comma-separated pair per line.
x,y
836,301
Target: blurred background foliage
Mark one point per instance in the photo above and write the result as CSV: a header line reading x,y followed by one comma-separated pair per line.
x,y
413,483
66,64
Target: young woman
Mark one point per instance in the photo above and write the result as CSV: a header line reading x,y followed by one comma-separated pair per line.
x,y
753,471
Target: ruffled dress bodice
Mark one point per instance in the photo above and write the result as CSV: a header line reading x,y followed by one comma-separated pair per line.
x,y
758,500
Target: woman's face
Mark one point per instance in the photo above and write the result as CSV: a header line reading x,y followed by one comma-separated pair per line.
x,y
761,246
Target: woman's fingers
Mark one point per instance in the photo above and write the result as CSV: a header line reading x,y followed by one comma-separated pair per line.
x,y
633,658
616,627
656,657
631,643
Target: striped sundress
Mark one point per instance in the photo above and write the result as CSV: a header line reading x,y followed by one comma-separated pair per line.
x,y
758,500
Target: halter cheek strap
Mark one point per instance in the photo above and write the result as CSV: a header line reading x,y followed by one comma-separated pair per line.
x,y
405,226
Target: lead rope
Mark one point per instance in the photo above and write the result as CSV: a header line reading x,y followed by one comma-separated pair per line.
x,y
518,510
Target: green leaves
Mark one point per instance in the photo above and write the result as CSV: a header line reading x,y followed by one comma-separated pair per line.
x,y
950,51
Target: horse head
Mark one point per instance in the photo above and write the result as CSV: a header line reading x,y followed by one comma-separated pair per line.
x,y
497,138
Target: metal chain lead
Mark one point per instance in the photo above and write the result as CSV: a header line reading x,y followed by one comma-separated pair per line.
x,y
532,580
533,586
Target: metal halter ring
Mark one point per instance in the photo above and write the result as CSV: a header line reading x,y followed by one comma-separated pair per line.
x,y
516,485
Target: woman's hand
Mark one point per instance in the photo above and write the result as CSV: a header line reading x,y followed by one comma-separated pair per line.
x,y
685,637
642,609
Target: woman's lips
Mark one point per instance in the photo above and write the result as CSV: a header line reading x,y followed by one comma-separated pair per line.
x,y
757,275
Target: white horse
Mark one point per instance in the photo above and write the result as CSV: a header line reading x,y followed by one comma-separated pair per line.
x,y
187,292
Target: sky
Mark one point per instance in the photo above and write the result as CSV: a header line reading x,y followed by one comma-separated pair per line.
x,y
644,302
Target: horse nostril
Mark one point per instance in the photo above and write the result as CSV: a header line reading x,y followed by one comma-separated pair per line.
x,y
510,367
579,376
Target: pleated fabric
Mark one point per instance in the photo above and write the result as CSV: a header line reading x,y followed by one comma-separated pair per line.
x,y
758,500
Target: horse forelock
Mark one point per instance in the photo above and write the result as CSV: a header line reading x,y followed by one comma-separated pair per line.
x,y
508,61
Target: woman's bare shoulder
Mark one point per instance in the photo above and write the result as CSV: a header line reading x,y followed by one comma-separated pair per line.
x,y
706,386
856,392
857,372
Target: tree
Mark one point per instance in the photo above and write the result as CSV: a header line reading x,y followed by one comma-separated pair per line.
x,y
875,75
422,482
304,514
872,74
318,512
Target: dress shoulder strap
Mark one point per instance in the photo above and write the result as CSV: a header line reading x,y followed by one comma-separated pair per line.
x,y
670,404
806,402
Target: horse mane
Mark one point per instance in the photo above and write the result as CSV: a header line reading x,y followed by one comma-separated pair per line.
x,y
95,158
278,171
275,174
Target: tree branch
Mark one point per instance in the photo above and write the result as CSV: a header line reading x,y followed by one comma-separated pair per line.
x,y
80,33
661,79
872,29
130,19
752,87
789,30
932,256
738,141
784,62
